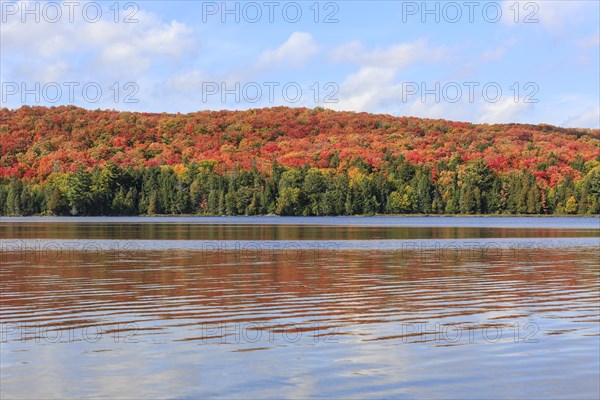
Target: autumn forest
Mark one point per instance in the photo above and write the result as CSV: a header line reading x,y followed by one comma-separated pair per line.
x,y
288,161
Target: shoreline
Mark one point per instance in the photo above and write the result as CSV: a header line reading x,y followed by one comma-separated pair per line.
x,y
311,216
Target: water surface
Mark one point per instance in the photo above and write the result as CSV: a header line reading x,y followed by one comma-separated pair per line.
x,y
300,307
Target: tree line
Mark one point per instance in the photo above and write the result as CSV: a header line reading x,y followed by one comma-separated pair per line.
x,y
399,188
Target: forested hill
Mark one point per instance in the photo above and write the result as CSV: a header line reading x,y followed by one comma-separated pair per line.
x,y
292,161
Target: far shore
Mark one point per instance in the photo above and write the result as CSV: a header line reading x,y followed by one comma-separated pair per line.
x,y
313,216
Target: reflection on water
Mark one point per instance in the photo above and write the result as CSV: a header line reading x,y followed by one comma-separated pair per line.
x,y
296,228
377,321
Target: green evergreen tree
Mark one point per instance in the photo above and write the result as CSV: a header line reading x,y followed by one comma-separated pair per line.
x,y
57,203
13,198
78,192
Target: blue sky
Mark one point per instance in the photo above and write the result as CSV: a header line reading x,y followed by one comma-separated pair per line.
x,y
485,62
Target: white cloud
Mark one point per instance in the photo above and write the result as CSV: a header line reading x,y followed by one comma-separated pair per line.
x,y
395,56
497,53
590,42
241,80
190,81
421,109
555,16
589,118
493,54
569,110
504,111
100,48
135,51
296,51
374,87
53,72
368,89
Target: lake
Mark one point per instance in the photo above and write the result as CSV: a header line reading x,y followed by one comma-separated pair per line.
x,y
275,307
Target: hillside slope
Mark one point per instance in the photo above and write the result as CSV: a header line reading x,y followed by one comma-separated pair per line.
x,y
40,145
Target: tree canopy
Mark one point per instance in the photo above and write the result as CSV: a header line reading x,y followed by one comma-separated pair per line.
x,y
289,161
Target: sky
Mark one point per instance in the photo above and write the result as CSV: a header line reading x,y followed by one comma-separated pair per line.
x,y
484,62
